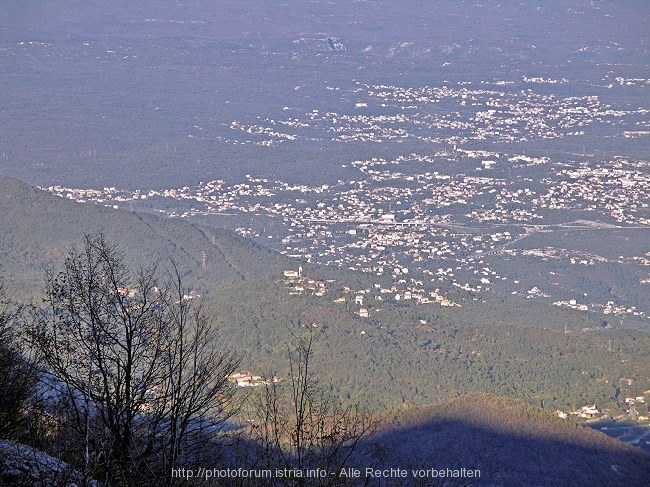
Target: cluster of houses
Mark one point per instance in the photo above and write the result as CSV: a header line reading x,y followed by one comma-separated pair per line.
x,y
495,111
402,213
608,308
246,379
474,111
299,284
620,189
633,400
590,411
412,292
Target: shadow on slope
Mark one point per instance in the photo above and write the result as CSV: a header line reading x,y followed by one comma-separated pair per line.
x,y
501,441
508,441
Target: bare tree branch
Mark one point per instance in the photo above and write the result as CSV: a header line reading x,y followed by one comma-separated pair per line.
x,y
139,364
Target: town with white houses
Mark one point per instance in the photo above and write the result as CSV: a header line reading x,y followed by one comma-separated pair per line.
x,y
415,221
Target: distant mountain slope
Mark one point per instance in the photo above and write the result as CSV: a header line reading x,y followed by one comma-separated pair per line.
x,y
510,442
39,229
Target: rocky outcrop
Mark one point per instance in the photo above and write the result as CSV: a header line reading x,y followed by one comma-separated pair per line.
x,y
23,466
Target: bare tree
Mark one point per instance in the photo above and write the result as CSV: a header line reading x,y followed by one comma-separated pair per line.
x,y
136,365
301,425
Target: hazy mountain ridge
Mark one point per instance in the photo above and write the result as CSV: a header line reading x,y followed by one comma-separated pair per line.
x,y
40,229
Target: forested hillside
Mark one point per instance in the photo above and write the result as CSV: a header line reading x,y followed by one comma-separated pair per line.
x,y
39,230
403,353
418,354
470,359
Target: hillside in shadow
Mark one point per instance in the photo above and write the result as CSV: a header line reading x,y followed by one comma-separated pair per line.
x,y
503,442
509,442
